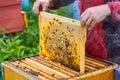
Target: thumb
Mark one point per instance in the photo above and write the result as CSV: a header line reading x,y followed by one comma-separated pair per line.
x,y
44,7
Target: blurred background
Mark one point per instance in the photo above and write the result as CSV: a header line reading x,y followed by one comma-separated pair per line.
x,y
26,43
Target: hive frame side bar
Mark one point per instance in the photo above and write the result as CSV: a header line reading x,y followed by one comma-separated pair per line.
x,y
83,40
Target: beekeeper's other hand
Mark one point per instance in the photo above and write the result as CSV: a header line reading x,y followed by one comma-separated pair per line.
x,y
93,15
41,5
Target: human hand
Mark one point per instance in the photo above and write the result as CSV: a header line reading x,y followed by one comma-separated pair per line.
x,y
93,15
41,5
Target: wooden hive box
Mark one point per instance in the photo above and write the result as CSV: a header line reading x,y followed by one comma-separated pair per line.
x,y
10,16
25,20
42,68
62,40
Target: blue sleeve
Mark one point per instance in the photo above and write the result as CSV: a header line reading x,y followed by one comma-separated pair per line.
x,y
61,3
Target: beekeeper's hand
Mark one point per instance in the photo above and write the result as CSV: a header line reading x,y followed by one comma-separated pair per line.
x,y
93,15
41,5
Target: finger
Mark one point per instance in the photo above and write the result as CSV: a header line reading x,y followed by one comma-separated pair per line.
x,y
92,25
83,14
88,22
37,8
34,7
44,7
84,19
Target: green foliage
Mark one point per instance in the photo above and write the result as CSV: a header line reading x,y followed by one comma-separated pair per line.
x,y
20,45
64,11
25,43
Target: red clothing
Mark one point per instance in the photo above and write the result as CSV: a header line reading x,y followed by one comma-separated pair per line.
x,y
104,38
115,8
95,43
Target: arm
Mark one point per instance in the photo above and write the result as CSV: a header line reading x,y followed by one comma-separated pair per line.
x,y
61,3
42,5
115,10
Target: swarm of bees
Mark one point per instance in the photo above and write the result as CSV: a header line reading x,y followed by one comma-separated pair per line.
x,y
59,44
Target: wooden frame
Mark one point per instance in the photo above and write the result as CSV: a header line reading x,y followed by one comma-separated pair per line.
x,y
70,25
25,21
40,68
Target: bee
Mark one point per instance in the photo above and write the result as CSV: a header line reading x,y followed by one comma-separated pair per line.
x,y
75,44
17,65
54,19
72,29
83,36
67,27
62,32
48,27
53,22
60,22
24,67
57,20
56,30
53,75
73,21
43,28
50,23
41,37
71,35
53,32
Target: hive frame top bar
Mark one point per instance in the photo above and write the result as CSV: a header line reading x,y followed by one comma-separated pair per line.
x,y
61,18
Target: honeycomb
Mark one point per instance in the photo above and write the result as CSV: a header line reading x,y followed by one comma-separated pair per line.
x,y
61,41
